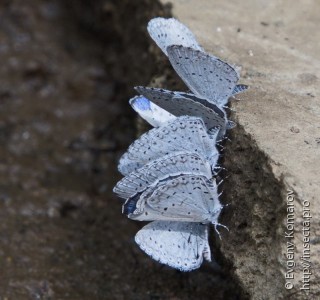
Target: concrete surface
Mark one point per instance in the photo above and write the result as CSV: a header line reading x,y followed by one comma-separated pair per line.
x,y
276,145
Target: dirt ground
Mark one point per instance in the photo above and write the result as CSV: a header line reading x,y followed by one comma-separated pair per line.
x,y
67,72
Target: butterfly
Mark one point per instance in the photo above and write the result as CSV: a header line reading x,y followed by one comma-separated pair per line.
x,y
165,104
170,35
183,198
181,134
167,32
211,80
172,164
180,245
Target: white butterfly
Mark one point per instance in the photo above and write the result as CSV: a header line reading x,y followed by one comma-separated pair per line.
x,y
182,198
192,64
210,79
181,134
180,245
172,164
206,76
185,104
167,32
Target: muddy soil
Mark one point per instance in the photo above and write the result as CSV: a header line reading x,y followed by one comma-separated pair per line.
x,y
67,72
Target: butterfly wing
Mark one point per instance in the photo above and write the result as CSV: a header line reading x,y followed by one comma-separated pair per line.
x,y
183,198
167,32
239,88
152,113
181,134
184,104
180,245
207,76
173,164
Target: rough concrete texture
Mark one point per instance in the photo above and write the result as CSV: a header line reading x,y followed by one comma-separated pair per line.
x,y
276,145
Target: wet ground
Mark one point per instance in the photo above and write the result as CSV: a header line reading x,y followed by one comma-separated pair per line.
x,y
67,72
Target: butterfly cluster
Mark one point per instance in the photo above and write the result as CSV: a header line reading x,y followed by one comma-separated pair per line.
x,y
169,172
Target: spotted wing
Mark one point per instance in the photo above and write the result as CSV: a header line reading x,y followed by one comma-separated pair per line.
x,y
207,76
167,32
185,104
183,198
181,134
173,164
180,245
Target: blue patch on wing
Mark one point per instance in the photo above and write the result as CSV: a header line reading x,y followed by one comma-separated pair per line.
x,y
142,103
130,206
